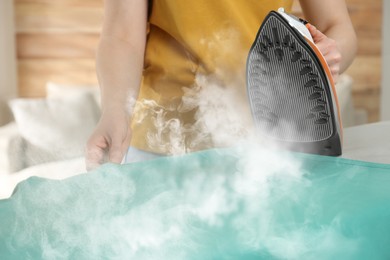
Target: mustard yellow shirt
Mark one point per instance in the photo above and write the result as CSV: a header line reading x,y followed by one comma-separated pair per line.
x,y
188,38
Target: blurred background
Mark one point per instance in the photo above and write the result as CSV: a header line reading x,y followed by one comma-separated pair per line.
x,y
55,40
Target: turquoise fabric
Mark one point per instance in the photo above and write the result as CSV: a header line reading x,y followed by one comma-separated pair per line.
x,y
239,203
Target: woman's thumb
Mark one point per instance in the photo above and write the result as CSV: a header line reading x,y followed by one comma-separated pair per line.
x,y
315,33
116,153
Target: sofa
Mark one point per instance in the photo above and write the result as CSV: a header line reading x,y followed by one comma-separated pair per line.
x,y
48,135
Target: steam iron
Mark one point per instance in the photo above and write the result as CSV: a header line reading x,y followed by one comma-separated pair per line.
x,y
290,88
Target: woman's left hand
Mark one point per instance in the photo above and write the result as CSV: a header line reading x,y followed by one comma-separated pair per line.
x,y
329,50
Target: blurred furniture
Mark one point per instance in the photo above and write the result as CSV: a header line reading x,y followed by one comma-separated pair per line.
x,y
48,136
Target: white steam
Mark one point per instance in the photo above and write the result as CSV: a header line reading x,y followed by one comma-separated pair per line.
x,y
222,118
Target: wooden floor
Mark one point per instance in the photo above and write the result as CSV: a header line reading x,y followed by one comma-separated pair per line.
x,y
56,41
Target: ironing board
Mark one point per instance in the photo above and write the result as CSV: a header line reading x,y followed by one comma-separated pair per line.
x,y
238,203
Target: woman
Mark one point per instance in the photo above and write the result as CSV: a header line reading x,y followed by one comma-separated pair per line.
x,y
155,57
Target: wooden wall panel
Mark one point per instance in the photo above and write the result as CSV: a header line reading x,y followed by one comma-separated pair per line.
x,y
56,45
366,70
35,73
37,16
56,41
72,3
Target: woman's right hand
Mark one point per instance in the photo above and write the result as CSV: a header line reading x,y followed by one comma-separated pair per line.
x,y
110,139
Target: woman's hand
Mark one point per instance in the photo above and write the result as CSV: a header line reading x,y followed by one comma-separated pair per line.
x,y
110,140
119,65
329,50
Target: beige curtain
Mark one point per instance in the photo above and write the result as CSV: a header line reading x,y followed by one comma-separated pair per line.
x,y
8,85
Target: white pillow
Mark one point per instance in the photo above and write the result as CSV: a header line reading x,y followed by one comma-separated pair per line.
x,y
55,90
11,147
55,129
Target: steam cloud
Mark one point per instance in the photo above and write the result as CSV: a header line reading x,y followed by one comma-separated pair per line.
x,y
220,120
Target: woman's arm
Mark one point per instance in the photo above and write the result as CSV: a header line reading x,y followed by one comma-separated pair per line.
x,y
119,65
335,36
